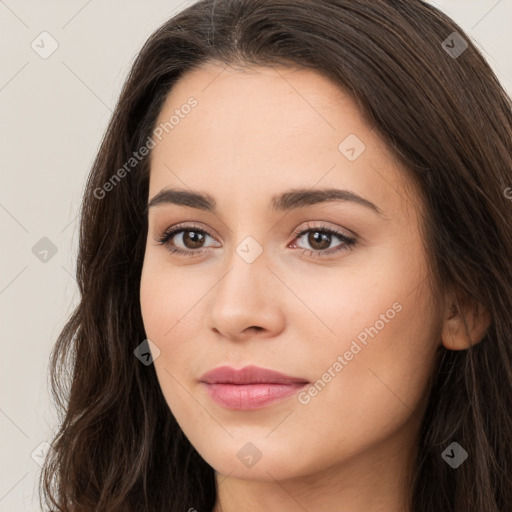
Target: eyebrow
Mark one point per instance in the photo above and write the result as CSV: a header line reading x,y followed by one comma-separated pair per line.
x,y
286,201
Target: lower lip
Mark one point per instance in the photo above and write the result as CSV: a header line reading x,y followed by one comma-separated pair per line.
x,y
250,396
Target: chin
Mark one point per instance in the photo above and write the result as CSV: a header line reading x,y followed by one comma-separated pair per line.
x,y
253,461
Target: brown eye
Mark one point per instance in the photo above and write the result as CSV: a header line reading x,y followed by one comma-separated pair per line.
x,y
186,240
319,240
192,239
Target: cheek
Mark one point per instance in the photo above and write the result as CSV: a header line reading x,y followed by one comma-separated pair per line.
x,y
171,313
374,372
167,297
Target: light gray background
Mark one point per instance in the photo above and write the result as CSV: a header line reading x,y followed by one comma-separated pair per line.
x,y
53,115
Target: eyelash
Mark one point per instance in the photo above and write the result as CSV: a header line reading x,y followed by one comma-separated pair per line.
x,y
348,242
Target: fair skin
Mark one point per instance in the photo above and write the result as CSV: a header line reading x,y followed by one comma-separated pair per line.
x,y
255,134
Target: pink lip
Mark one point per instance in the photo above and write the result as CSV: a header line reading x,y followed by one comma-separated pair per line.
x,y
250,387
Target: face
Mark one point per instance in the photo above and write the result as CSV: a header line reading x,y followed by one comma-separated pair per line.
x,y
322,287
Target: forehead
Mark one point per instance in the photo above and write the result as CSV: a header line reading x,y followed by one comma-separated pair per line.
x,y
279,99
256,129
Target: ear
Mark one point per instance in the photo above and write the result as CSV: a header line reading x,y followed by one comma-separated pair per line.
x,y
465,323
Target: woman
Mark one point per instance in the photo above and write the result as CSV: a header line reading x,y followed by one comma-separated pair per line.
x,y
295,269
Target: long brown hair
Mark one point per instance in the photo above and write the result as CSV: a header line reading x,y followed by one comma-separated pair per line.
x,y
447,119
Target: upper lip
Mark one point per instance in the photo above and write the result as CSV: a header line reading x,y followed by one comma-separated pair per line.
x,y
247,375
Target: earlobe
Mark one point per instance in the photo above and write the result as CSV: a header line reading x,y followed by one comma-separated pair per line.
x,y
471,315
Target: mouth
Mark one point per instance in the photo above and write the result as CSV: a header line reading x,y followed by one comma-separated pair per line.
x,y
250,387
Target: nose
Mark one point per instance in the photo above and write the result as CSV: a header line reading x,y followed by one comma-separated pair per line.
x,y
246,301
